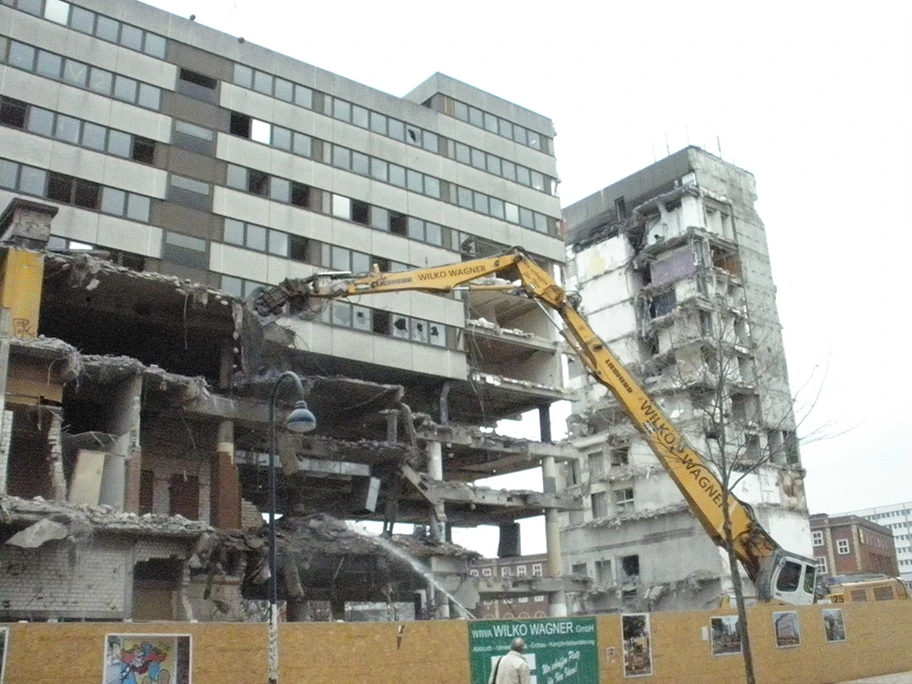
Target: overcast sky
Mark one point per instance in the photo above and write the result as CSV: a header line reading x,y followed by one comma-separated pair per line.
x,y
815,99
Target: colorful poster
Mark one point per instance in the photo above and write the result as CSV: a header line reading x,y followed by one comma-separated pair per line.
x,y
833,624
147,659
637,645
787,633
558,650
726,636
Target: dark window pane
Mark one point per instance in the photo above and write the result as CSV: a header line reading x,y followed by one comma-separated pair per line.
x,y
300,195
131,37
197,78
258,182
143,150
60,187
155,45
12,112
41,121
49,65
101,81
82,20
86,194
107,29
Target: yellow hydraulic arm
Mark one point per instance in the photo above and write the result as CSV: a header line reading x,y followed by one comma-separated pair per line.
x,y
697,482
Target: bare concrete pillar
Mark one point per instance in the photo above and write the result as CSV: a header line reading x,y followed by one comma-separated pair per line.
x,y
434,452
120,483
55,457
6,417
225,498
337,607
558,599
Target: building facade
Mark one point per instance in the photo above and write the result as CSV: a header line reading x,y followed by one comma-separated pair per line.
x,y
898,519
673,269
516,570
163,171
851,544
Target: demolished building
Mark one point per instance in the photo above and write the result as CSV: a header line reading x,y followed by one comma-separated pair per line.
x,y
673,269
140,216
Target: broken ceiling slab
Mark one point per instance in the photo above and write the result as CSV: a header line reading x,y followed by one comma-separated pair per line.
x,y
63,360
17,511
39,533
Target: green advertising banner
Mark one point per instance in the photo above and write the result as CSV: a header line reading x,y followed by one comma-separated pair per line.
x,y
558,650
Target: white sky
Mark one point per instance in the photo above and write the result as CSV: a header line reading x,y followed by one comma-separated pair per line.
x,y
813,98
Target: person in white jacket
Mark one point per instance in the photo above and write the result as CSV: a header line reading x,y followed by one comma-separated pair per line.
x,y
511,668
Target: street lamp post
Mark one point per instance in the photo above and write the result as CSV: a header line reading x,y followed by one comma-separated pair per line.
x,y
300,420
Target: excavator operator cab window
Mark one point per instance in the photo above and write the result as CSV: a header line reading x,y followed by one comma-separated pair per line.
x,y
789,577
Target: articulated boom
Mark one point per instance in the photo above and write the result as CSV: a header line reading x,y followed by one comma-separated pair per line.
x,y
776,573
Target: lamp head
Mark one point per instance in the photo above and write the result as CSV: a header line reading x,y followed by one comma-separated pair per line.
x,y
301,419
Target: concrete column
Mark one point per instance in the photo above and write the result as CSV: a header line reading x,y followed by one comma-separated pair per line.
x,y
544,423
6,417
435,471
120,482
225,492
558,599
337,608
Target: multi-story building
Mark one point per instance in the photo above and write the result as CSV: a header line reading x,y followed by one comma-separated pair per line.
x,y
673,269
851,545
898,519
517,572
177,169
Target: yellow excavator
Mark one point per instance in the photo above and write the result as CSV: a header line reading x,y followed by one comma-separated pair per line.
x,y
778,575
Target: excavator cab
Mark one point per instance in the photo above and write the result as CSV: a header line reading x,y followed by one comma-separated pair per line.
x,y
789,578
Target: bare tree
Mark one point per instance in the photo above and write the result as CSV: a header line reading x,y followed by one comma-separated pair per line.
x,y
723,366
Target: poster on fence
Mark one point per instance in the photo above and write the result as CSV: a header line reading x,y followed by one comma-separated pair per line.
x,y
558,650
637,645
147,659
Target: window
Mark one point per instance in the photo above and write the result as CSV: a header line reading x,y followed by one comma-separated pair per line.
x,y
521,570
579,569
12,112
143,150
603,573
536,569
883,594
599,503
630,568
189,192
817,537
620,456
185,250
821,564
842,547
596,462
486,572
623,500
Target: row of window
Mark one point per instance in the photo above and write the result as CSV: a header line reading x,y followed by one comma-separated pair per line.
x,y
73,72
623,502
135,262
288,191
391,127
491,123
347,315
19,114
307,250
94,24
906,512
76,191
507,571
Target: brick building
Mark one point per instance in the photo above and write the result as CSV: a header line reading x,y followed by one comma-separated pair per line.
x,y
514,571
848,544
